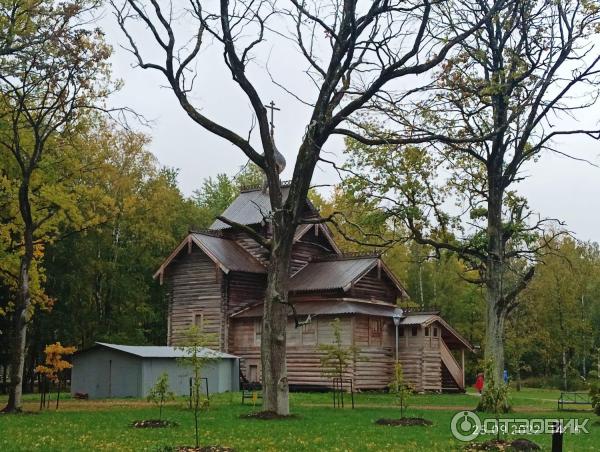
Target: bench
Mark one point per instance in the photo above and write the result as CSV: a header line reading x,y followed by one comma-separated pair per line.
x,y
249,390
573,398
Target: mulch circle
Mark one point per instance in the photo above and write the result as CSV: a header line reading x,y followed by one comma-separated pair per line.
x,y
153,423
215,448
404,422
268,416
520,444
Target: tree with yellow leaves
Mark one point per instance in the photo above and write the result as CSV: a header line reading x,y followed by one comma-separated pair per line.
x,y
53,367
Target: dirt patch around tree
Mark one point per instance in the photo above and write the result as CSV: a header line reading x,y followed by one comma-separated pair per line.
x,y
520,444
268,416
153,423
404,422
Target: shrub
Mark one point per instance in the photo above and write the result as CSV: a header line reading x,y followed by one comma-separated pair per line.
x,y
159,393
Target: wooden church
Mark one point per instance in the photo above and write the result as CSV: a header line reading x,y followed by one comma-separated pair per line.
x,y
216,279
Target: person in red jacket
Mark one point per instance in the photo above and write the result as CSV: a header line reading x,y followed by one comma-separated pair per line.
x,y
479,382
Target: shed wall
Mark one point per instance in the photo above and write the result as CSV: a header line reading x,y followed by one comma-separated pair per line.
x,y
106,373
103,373
222,375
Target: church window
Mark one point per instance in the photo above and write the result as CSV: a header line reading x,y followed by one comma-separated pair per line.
x,y
199,321
376,327
309,334
375,331
257,331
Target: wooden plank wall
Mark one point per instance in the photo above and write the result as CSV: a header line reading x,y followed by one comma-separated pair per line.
x,y
310,246
375,365
421,360
373,369
195,288
374,286
245,289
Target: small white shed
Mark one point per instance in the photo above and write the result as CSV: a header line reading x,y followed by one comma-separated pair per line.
x,y
111,370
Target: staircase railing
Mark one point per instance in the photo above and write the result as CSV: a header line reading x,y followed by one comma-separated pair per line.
x,y
453,367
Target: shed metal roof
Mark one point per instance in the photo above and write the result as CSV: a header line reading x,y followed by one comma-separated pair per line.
x,y
330,307
331,274
250,207
161,351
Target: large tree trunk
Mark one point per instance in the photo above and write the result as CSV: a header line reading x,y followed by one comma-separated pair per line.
x,y
495,312
564,370
22,307
494,338
273,339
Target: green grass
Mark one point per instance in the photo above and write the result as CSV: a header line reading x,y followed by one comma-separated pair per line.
x,y
103,425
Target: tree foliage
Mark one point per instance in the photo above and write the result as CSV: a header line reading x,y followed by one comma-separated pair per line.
x,y
449,157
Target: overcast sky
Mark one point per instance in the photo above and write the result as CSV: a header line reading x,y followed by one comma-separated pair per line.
x,y
556,187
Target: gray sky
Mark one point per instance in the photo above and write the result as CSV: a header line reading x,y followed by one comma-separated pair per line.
x,y
557,187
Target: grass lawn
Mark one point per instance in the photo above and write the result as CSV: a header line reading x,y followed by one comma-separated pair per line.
x,y
104,424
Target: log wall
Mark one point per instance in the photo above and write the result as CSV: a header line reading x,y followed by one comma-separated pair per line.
x,y
420,358
311,245
373,369
195,287
245,289
375,285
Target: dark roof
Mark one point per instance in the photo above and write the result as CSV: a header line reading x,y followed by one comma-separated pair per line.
x,y
224,252
340,272
327,307
331,274
250,207
228,253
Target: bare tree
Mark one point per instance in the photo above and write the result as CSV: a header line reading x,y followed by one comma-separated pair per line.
x,y
491,109
352,51
50,82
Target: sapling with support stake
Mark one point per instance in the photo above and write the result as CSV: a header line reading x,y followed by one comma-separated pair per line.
x,y
196,357
160,393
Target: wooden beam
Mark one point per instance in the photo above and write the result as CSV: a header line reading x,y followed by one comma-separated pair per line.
x,y
462,362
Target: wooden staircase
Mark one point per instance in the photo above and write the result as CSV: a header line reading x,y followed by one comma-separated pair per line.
x,y
452,373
